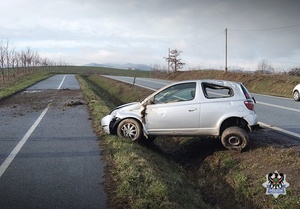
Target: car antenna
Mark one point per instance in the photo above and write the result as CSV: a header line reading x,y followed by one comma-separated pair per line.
x,y
135,88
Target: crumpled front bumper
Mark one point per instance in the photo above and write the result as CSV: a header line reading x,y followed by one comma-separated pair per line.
x,y
105,123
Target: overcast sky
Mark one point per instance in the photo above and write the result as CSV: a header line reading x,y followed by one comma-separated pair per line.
x,y
141,31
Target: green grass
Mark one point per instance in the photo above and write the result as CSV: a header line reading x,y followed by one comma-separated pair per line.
x,y
22,83
142,177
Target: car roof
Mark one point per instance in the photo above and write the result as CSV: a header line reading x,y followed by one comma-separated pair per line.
x,y
217,82
234,85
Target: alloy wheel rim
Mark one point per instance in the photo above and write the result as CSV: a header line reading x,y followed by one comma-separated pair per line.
x,y
129,130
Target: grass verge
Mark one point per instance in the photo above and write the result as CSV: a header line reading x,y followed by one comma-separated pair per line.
x,y
22,83
189,172
136,176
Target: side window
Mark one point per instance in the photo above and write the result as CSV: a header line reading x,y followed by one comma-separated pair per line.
x,y
214,91
176,93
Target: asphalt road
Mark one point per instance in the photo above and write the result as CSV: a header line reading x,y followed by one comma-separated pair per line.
x,y
49,154
280,114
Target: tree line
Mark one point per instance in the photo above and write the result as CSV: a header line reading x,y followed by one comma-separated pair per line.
x,y
263,67
15,63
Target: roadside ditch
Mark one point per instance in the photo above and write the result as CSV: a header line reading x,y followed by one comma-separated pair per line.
x,y
188,172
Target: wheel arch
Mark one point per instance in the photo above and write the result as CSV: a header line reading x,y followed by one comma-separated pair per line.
x,y
118,120
234,121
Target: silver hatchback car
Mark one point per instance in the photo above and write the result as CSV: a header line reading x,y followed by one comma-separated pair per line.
x,y
222,109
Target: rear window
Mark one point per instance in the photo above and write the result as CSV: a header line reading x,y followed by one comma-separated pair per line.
x,y
246,93
215,91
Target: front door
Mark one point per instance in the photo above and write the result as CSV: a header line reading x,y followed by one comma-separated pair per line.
x,y
175,110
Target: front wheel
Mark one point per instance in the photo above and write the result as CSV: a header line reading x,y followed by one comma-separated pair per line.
x,y
131,129
234,138
296,95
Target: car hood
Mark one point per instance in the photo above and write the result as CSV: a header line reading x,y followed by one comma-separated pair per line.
x,y
127,107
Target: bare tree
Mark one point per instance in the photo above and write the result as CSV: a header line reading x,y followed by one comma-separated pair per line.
x,y
14,63
174,60
9,58
2,60
294,71
29,58
264,67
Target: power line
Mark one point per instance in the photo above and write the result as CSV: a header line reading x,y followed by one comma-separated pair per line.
x,y
204,41
265,29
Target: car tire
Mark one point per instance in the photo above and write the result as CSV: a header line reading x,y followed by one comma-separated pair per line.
x,y
234,138
131,129
296,95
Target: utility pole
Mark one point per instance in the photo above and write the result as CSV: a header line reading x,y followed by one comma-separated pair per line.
x,y
169,61
226,50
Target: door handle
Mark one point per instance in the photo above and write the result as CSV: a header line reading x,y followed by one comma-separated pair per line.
x,y
192,110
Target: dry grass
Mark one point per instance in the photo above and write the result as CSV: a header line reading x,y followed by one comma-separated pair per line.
x,y
276,85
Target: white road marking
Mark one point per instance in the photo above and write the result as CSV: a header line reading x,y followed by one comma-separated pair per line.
x,y
154,81
21,143
280,129
130,82
61,83
145,87
16,150
276,97
278,106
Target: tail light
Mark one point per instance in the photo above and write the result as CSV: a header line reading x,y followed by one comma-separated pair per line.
x,y
249,104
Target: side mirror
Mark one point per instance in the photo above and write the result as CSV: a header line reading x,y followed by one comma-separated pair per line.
x,y
150,101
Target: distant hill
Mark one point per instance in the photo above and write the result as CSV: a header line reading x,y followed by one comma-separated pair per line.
x,y
126,66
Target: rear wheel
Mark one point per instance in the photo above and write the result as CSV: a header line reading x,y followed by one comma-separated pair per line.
x,y
131,129
296,95
234,138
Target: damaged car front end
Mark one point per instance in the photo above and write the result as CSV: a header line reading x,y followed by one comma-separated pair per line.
x,y
128,111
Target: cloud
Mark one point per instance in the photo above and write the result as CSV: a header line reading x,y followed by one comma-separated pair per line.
x,y
142,31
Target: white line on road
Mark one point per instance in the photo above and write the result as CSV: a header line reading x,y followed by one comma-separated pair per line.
x,y
61,83
154,81
21,143
130,82
145,87
16,150
278,106
280,129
